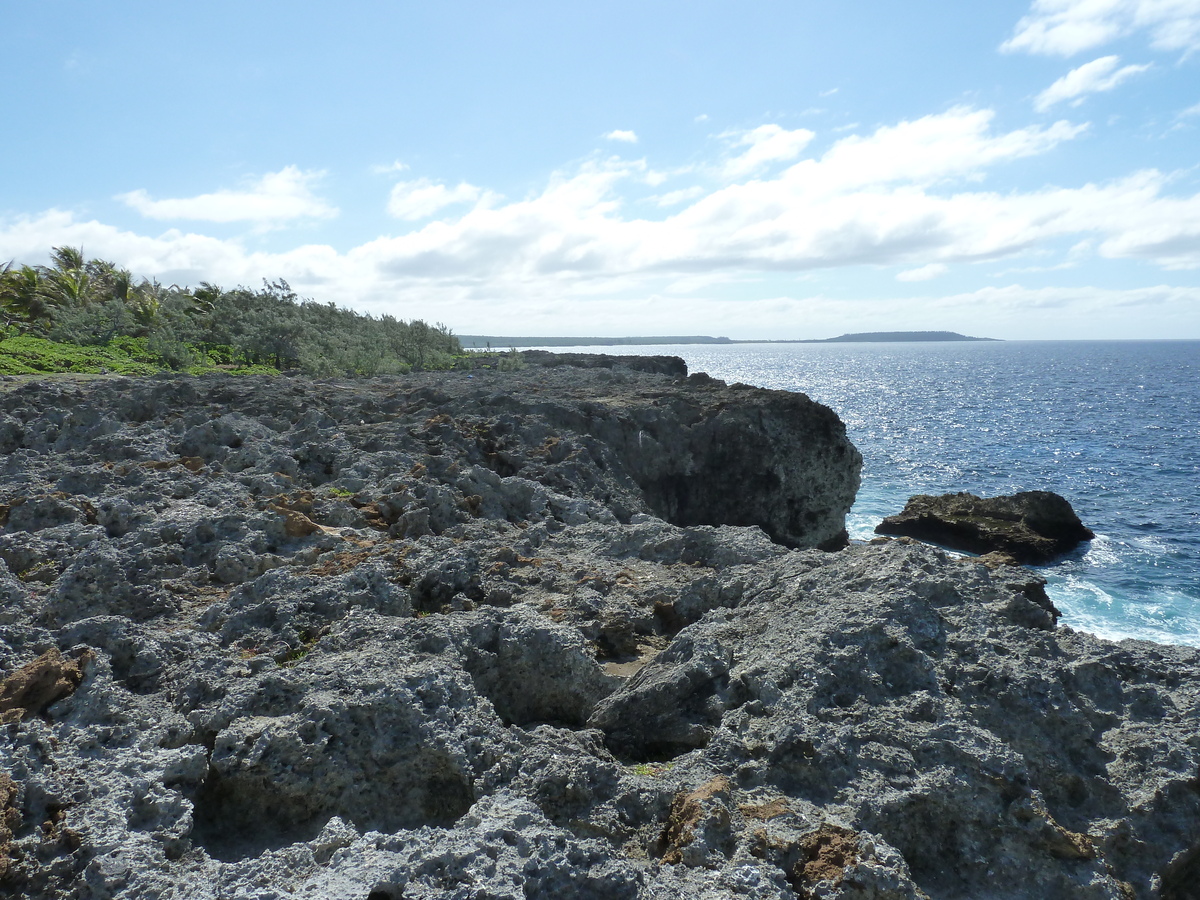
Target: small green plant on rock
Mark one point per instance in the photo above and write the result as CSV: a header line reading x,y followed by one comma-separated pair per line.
x,y
653,770
294,655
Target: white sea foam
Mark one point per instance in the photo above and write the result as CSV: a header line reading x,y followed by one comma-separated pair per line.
x,y
1103,551
1166,617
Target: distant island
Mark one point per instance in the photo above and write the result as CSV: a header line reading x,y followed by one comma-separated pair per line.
x,y
864,337
495,342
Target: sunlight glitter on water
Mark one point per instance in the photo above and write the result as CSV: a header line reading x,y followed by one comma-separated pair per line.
x,y
1113,426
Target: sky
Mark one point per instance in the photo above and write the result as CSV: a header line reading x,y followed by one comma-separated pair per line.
x,y
778,170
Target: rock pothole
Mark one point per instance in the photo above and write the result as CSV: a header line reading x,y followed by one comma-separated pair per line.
x,y
246,807
534,671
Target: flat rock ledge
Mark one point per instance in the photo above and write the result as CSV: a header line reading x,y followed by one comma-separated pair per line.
x,y
561,632
1031,527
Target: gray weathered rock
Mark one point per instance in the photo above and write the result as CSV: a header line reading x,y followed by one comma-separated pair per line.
x,y
905,694
539,634
1031,527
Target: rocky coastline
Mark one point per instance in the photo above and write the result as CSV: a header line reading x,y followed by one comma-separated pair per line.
x,y
584,630
1031,527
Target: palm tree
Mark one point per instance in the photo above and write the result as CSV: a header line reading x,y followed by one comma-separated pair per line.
x,y
65,258
21,294
143,299
67,282
205,297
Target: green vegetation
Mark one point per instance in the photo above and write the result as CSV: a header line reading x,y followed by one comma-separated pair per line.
x,y
24,354
80,315
653,769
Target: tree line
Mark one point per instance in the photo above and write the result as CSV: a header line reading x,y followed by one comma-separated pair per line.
x,y
92,302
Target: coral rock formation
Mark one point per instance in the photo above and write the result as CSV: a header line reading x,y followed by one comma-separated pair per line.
x,y
560,632
1030,527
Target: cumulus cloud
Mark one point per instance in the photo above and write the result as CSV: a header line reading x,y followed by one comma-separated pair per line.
x,y
1067,27
765,144
627,137
909,195
923,273
423,198
1082,311
275,198
173,257
674,198
1099,75
926,151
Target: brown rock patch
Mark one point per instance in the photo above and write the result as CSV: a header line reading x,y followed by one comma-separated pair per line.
x,y
36,685
764,812
10,821
296,524
687,812
825,854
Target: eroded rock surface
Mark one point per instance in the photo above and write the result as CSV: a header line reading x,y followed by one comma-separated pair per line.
x,y
438,637
1030,527
36,685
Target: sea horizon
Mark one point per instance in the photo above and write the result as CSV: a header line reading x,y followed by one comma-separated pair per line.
x,y
1109,424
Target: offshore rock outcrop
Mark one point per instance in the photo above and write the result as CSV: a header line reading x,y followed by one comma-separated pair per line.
x,y
528,635
1030,527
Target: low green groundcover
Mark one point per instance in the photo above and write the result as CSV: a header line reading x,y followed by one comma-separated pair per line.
x,y
26,355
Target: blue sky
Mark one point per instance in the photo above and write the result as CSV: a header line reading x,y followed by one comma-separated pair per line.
x,y
759,170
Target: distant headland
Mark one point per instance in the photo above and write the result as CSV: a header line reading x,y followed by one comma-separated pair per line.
x,y
865,337
496,342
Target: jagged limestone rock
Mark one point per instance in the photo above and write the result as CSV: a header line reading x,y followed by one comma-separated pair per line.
x,y
540,634
1030,527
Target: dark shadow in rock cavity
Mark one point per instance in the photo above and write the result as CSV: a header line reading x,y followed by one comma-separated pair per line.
x,y
241,816
534,674
672,705
229,830
1181,880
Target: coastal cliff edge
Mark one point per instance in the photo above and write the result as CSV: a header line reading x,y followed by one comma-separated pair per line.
x,y
559,632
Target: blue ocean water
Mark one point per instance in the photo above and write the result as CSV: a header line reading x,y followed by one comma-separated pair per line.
x,y
1114,426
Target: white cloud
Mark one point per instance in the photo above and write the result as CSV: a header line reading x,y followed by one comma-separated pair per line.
x,y
925,151
390,169
1066,27
275,198
627,137
1099,75
703,117
423,198
674,198
767,144
923,273
1190,111
1078,312
173,257
908,195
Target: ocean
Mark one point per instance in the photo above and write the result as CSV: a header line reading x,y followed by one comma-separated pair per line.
x,y
1113,426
